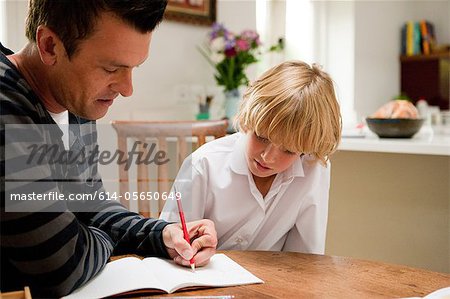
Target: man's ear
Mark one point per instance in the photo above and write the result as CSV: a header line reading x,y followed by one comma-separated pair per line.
x,y
49,45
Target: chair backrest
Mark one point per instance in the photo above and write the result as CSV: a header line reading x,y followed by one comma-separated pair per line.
x,y
156,137
22,294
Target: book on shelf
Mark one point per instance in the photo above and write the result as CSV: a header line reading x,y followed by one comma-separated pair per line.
x,y
431,35
417,38
403,40
425,37
409,38
131,275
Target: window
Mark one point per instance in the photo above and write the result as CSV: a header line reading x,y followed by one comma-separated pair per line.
x,y
314,31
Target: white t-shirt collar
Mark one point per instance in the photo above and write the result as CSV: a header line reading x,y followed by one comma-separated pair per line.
x,y
62,120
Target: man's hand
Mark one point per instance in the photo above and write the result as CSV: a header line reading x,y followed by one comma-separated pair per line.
x,y
204,241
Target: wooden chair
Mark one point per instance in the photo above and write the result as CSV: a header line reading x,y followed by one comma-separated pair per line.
x,y
23,294
153,138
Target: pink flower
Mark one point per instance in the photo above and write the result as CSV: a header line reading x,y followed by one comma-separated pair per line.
x,y
230,54
242,45
251,36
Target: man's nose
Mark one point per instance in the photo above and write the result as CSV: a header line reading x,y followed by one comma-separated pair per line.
x,y
124,84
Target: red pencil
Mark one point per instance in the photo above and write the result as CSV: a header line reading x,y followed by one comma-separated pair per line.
x,y
183,225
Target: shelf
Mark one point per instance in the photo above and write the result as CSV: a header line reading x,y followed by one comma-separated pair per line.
x,y
432,56
426,76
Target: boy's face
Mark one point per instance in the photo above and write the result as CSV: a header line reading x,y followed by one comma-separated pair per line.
x,y
265,159
101,70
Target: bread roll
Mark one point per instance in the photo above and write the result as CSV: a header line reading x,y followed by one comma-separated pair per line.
x,y
396,109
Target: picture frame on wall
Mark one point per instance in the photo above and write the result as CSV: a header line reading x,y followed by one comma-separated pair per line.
x,y
198,12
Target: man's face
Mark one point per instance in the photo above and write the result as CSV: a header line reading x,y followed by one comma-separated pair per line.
x,y
100,69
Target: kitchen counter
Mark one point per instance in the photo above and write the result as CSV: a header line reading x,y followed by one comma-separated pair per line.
x,y
390,201
425,142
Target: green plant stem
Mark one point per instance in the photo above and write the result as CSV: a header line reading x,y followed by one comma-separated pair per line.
x,y
230,74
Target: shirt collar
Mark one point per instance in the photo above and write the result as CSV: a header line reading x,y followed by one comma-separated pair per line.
x,y
296,169
239,161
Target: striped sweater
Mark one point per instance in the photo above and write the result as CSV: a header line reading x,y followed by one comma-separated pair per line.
x,y
57,249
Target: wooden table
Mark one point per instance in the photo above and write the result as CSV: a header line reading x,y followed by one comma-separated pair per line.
x,y
297,275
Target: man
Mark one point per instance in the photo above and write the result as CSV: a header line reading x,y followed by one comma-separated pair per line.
x,y
79,58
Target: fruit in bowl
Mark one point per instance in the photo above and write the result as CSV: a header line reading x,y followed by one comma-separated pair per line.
x,y
395,119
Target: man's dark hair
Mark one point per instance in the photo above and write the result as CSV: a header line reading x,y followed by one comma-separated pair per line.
x,y
75,20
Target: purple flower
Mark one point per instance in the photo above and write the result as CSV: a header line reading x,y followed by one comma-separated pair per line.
x,y
230,43
217,31
231,54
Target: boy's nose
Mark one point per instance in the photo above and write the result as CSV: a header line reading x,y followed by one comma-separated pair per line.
x,y
269,154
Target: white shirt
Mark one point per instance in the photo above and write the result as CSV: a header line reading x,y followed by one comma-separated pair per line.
x,y
215,183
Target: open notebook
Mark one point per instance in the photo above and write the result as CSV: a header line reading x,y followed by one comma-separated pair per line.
x,y
443,293
132,274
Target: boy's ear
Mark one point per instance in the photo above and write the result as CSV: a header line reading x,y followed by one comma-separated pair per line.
x,y
49,45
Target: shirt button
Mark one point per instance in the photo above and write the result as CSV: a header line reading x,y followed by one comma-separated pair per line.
x,y
239,240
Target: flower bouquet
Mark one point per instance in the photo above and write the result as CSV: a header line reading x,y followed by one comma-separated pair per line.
x,y
230,54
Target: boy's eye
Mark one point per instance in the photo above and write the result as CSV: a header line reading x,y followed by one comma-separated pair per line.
x,y
261,139
289,152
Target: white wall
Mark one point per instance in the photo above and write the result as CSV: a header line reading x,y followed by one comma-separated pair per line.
x,y
340,54
364,45
377,46
173,62
15,13
361,37
2,21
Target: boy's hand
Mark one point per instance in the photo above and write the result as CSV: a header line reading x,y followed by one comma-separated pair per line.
x,y
204,241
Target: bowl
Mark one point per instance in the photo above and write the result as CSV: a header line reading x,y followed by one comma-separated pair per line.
x,y
395,127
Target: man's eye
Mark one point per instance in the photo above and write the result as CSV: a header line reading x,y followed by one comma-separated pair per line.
x,y
110,70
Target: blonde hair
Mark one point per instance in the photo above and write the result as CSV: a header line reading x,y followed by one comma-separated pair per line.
x,y
293,105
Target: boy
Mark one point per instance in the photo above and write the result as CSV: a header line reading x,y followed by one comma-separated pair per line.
x,y
266,187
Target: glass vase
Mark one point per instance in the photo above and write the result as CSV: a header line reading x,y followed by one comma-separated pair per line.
x,y
232,100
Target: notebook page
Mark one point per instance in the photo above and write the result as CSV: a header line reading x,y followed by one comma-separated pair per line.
x,y
443,293
122,275
220,271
